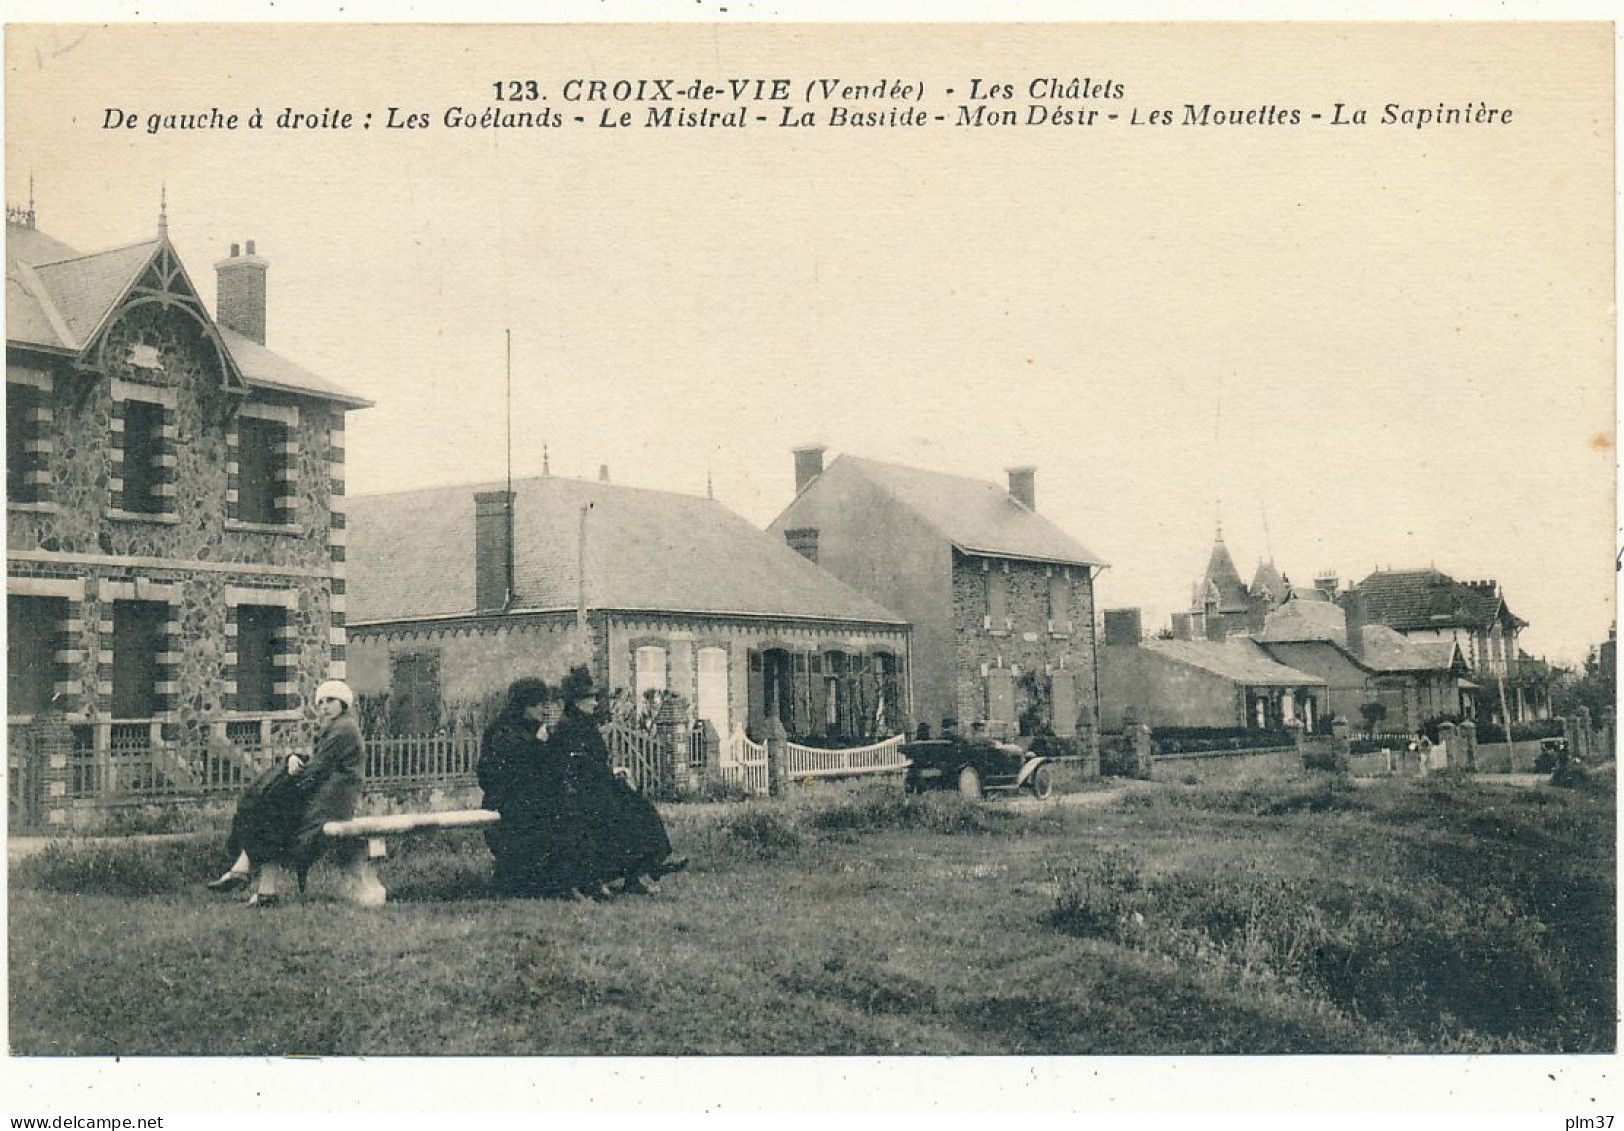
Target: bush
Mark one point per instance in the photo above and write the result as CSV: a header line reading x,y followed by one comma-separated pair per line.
x,y
120,867
1328,761
1204,740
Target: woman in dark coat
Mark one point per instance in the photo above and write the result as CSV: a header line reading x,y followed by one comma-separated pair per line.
x,y
279,816
523,780
624,837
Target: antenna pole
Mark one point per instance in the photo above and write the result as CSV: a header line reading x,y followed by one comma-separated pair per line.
x,y
509,335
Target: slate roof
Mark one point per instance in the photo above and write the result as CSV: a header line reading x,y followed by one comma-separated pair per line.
x,y
58,298
1383,649
1298,621
1386,650
1222,574
978,517
1269,578
1409,600
1238,658
411,556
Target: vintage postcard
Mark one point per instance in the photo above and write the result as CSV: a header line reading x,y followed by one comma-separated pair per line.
x,y
1052,543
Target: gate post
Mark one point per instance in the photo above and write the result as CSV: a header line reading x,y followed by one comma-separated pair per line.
x,y
1450,744
777,757
1467,734
1586,736
1140,733
53,743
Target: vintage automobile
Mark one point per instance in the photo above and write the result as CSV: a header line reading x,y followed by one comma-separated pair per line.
x,y
976,768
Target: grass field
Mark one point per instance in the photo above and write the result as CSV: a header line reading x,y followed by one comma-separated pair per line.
x,y
1217,915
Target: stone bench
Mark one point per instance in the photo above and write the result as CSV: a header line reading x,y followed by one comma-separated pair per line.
x,y
368,890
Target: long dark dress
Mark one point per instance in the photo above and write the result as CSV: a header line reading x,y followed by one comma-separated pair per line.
x,y
624,835
536,847
279,815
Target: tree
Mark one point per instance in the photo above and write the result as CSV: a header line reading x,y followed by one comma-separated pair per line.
x,y
1373,714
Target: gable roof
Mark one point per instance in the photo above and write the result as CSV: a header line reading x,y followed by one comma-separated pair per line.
x,y
1387,650
1237,658
1410,600
59,299
976,516
1298,621
1382,649
411,556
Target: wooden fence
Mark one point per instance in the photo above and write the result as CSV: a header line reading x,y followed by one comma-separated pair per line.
x,y
98,765
813,762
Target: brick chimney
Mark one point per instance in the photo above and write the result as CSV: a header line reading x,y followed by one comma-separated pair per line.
x,y
493,549
1353,610
1023,486
1123,628
808,465
239,302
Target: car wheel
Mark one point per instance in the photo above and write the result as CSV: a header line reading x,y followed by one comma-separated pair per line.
x,y
1042,783
970,783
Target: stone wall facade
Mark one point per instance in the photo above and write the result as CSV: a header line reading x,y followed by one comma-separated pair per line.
x,y
478,657
78,537
1010,650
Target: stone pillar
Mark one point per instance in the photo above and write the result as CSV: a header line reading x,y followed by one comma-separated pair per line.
x,y
1088,741
777,739
1341,748
1570,734
1140,734
1466,735
53,744
1450,743
1586,737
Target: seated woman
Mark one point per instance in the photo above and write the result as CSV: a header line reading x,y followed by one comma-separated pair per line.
x,y
624,838
279,816
522,779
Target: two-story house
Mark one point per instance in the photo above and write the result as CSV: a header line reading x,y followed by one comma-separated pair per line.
x,y
1428,606
1001,599
174,519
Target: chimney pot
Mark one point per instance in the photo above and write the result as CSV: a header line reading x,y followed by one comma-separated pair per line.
x,y
603,473
808,464
1023,486
236,250
250,247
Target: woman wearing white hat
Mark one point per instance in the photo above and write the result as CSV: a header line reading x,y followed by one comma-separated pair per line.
x,y
280,814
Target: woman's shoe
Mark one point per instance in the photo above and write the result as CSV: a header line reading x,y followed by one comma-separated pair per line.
x,y
262,901
231,881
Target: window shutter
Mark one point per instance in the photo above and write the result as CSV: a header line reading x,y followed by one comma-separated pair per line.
x,y
1063,703
1000,696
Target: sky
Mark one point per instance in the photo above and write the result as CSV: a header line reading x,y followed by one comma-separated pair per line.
x,y
1357,347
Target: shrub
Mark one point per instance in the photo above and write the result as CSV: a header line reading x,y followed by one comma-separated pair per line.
x,y
120,867
760,829
1099,898
1204,740
1328,761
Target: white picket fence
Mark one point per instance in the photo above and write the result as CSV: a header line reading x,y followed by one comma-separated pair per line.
x,y
744,763
812,762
